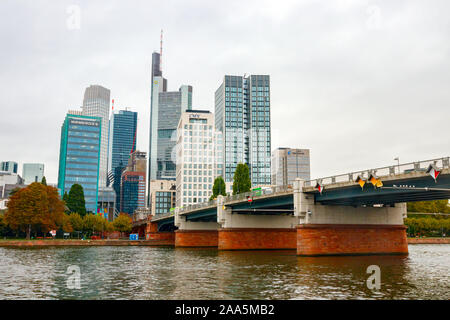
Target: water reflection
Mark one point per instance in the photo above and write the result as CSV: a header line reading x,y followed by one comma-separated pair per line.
x,y
165,273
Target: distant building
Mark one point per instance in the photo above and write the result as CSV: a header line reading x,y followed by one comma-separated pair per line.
x,y
79,157
133,181
165,111
289,164
8,182
106,203
122,142
196,163
32,172
8,166
163,195
242,114
96,103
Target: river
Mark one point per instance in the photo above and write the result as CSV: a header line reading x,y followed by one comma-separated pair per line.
x,y
167,273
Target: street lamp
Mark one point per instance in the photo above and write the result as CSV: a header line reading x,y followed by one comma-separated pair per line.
x,y
398,163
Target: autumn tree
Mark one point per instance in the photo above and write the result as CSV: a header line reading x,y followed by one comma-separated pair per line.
x,y
34,207
241,180
3,224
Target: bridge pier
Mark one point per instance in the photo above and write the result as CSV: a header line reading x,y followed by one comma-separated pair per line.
x,y
195,234
254,232
346,230
152,233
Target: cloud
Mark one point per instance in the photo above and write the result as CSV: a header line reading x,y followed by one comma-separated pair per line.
x,y
347,77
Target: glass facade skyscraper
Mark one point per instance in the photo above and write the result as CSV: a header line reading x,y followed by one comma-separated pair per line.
x,y
79,156
165,111
122,142
32,172
242,114
132,190
96,104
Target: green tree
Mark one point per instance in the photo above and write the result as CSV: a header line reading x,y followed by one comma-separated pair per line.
x,y
89,223
76,221
75,200
122,223
44,181
434,206
219,188
241,180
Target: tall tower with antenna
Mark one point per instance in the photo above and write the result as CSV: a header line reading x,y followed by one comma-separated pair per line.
x,y
160,51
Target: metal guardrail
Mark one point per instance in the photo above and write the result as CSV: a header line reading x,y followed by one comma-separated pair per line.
x,y
163,215
419,166
199,206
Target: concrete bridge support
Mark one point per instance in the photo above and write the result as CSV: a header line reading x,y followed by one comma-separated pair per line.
x,y
250,232
195,234
346,230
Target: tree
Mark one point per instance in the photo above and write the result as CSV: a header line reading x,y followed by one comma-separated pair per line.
x,y
35,207
122,223
66,224
44,181
11,193
434,206
3,224
75,200
219,188
76,221
241,180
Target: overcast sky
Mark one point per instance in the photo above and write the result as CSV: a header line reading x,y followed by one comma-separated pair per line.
x,y
357,82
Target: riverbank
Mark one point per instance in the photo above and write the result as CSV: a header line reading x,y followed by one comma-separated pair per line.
x,y
428,240
156,243
69,243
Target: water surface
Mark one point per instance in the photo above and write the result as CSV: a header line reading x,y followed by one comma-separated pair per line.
x,y
167,273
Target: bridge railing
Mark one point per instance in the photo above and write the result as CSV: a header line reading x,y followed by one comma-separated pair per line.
x,y
198,206
256,193
419,166
163,215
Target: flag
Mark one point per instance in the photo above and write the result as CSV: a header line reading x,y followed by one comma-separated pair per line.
x,y
319,187
375,181
433,171
361,181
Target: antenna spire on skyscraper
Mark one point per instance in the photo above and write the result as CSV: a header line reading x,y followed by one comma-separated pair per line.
x,y
161,51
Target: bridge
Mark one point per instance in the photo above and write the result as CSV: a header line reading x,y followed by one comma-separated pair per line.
x,y
354,213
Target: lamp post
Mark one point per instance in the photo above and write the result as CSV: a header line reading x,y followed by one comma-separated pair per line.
x,y
398,163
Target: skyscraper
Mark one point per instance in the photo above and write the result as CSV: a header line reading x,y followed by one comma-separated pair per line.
x,y
122,142
32,172
8,166
79,156
96,104
289,164
132,190
242,114
165,111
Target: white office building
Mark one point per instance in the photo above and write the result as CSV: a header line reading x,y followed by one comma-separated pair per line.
x,y
199,157
289,164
